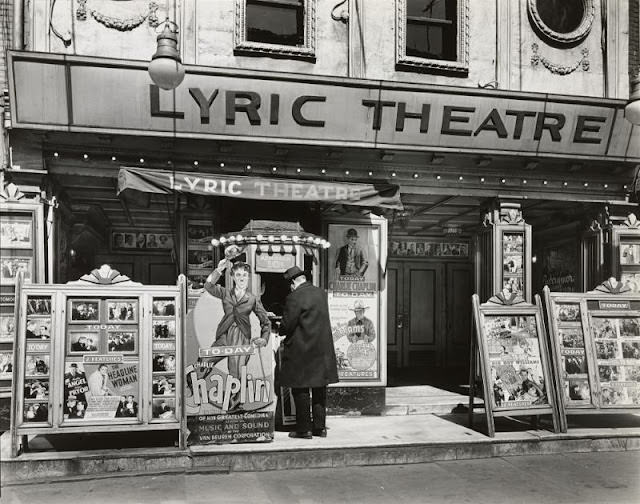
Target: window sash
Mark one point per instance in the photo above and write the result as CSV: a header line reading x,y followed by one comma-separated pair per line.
x,y
453,29
305,29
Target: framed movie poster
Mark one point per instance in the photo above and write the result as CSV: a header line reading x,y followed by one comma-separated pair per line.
x,y
7,327
16,232
514,359
83,310
6,365
357,301
11,265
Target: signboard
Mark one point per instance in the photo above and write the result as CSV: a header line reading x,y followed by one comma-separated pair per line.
x,y
354,301
514,360
595,339
58,92
230,394
274,262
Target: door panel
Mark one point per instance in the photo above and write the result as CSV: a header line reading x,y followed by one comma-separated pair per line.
x,y
429,315
422,307
458,333
395,307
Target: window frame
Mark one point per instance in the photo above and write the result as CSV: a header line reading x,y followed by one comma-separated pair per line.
x,y
569,38
405,62
244,46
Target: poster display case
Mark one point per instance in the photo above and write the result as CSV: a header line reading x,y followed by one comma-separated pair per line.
x,y
595,343
101,354
504,259
21,252
515,366
357,299
625,256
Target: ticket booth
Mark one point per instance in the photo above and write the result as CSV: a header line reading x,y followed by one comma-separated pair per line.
x,y
231,393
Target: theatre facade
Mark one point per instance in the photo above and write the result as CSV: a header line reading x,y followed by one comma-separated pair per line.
x,y
451,189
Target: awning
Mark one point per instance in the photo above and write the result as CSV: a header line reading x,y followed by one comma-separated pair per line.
x,y
149,180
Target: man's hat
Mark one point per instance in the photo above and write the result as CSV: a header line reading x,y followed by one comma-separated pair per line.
x,y
359,305
74,365
292,273
352,232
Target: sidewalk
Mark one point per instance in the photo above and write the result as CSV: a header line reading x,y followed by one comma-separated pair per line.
x,y
352,441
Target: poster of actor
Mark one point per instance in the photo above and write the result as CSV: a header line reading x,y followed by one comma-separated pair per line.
x,y
354,323
75,391
354,254
101,391
229,362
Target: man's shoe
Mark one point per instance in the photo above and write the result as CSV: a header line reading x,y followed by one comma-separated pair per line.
x,y
320,432
301,435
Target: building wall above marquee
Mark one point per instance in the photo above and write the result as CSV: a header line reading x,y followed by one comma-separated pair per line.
x,y
500,42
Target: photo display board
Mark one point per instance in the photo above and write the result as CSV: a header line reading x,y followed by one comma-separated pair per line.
x,y
98,358
514,359
595,339
513,261
21,252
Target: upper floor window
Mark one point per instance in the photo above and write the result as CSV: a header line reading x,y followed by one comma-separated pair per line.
x,y
432,34
562,21
279,27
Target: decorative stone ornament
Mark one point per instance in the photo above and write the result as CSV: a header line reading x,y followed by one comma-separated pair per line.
x,y
612,286
105,275
124,24
564,22
632,221
506,298
11,192
537,58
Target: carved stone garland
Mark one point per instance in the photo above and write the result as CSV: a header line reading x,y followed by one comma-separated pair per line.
x,y
114,23
537,58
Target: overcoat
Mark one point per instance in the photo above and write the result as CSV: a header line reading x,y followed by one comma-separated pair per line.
x,y
308,355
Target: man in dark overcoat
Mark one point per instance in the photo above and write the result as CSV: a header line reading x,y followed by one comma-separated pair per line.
x,y
308,356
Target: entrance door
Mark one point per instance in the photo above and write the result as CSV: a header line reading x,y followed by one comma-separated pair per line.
x,y
415,314
429,319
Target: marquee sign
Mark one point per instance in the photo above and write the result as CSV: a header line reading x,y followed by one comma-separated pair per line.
x,y
59,92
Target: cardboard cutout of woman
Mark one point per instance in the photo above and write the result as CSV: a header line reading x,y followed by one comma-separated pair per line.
x,y
235,328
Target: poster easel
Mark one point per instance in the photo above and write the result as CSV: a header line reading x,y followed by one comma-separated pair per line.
x,y
511,349
595,344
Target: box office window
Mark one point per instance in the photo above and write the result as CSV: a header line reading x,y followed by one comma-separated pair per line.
x,y
432,34
284,27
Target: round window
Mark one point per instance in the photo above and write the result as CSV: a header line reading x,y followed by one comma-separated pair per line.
x,y
562,21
